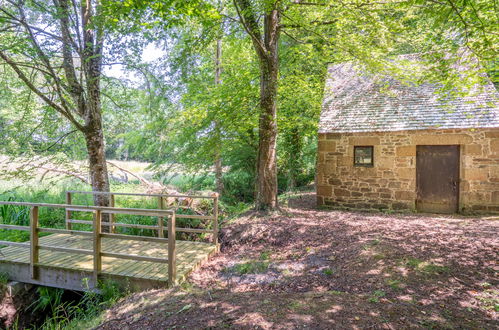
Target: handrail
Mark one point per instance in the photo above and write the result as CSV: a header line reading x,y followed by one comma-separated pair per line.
x,y
96,251
104,209
161,205
215,195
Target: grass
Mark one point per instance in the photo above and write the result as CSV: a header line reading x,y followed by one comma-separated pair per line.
x,y
426,267
327,272
376,295
249,267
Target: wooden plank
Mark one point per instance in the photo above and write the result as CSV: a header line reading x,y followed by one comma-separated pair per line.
x,y
129,211
64,231
188,256
33,241
14,227
188,216
103,209
135,238
194,230
18,244
64,249
138,194
117,224
135,257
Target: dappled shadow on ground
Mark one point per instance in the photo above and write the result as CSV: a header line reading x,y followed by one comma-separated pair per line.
x,y
323,269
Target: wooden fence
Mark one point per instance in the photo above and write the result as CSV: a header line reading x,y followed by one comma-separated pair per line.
x,y
159,227
97,235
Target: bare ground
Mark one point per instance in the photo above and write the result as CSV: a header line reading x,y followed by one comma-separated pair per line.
x,y
323,269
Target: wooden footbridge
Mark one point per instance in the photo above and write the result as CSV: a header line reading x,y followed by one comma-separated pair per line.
x,y
79,259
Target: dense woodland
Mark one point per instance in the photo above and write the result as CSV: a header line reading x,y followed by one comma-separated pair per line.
x,y
230,90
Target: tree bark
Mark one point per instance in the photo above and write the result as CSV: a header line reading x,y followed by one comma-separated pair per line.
x,y
266,197
266,47
97,166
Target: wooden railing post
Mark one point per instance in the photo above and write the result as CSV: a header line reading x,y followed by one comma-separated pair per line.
x,y
97,245
68,213
112,228
161,232
34,249
172,264
215,220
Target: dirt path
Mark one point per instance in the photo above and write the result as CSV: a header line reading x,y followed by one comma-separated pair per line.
x,y
335,269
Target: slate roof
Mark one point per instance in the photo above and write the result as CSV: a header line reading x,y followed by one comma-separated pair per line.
x,y
355,101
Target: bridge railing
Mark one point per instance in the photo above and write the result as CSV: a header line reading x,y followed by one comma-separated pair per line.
x,y
161,202
34,229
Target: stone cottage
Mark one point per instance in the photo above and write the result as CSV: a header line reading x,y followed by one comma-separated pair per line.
x,y
384,144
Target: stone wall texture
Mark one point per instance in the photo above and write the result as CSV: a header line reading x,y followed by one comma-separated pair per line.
x,y
391,182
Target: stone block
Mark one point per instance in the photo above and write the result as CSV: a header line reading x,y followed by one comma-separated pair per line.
x,y
384,162
406,151
441,139
479,174
324,191
363,141
495,197
345,161
334,181
494,146
394,184
406,173
330,168
400,206
341,192
405,195
492,134
327,146
473,150
333,136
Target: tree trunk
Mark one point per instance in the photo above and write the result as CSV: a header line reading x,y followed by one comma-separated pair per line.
x,y
98,170
266,198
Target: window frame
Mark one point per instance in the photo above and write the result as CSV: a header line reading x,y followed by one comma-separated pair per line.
x,y
363,165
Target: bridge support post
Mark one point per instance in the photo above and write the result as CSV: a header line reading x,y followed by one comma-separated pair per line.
x,y
97,245
215,220
34,248
161,206
112,228
172,262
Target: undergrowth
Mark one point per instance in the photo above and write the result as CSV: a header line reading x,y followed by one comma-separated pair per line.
x,y
83,314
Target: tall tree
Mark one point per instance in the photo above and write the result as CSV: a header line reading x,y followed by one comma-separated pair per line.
x,y
266,47
56,50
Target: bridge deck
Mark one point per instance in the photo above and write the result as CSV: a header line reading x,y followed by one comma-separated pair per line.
x,y
189,255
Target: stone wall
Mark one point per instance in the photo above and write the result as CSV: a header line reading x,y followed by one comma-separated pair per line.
x,y
391,182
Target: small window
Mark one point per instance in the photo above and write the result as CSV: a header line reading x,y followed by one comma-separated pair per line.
x,y
363,156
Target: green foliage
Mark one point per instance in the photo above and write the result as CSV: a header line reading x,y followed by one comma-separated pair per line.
x,y
249,267
81,314
48,298
376,295
4,278
327,271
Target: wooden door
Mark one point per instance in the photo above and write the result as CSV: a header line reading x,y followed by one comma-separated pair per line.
x,y
437,178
